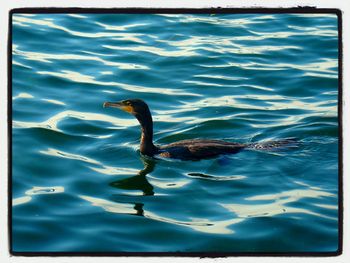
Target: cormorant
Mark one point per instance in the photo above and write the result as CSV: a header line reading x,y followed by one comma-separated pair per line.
x,y
193,149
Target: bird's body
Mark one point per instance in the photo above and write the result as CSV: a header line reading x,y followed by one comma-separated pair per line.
x,y
193,149
198,149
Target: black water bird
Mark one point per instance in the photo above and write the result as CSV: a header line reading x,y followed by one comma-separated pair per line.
x,y
193,149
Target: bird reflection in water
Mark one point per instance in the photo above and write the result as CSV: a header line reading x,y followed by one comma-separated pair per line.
x,y
139,181
119,205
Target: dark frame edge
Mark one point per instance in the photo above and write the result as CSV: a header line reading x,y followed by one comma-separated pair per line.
x,y
144,10
177,254
339,251
137,10
9,132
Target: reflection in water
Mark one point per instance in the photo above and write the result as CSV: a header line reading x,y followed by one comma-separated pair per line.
x,y
54,121
47,58
267,205
198,224
216,178
21,200
57,102
97,166
279,203
82,78
23,95
62,154
37,190
22,20
139,181
203,81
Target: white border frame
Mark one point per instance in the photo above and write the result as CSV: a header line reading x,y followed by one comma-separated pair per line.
x,y
344,6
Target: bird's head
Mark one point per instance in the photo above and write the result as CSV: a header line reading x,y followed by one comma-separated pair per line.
x,y
132,106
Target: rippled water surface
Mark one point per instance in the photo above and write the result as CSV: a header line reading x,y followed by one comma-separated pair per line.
x,y
79,183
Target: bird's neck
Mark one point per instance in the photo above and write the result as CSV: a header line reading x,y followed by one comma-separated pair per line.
x,y
146,144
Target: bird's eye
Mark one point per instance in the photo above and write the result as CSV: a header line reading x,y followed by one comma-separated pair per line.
x,y
127,103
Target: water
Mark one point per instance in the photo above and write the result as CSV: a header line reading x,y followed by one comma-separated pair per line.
x,y
79,183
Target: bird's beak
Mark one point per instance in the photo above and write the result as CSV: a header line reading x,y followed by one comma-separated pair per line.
x,y
119,105
112,104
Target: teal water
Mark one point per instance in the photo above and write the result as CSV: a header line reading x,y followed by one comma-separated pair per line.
x,y
79,183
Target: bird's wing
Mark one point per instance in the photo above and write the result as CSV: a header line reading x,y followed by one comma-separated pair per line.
x,y
196,142
213,149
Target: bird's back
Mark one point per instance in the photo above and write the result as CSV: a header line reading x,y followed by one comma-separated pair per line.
x,y
197,149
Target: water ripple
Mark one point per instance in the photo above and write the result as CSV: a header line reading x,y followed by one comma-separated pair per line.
x,y
238,77
40,22
197,224
53,122
81,78
47,58
279,203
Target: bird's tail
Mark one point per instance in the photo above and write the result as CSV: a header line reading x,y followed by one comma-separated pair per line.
x,y
274,145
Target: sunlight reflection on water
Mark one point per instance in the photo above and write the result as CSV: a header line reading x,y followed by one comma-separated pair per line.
x,y
238,77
